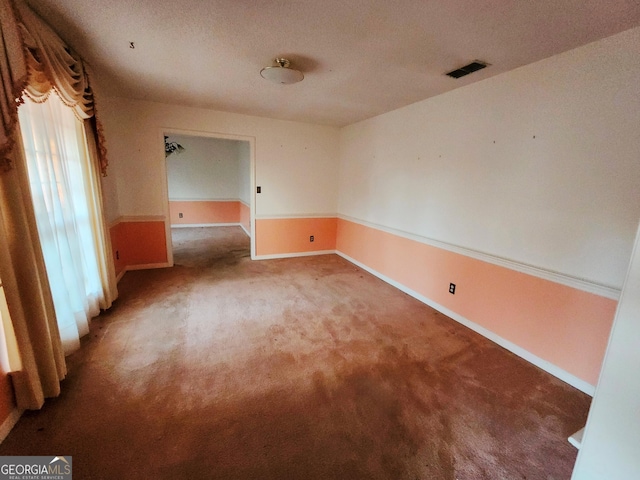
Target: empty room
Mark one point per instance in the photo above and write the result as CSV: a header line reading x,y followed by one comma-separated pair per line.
x,y
320,240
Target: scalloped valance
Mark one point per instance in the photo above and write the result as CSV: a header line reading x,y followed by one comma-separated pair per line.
x,y
34,60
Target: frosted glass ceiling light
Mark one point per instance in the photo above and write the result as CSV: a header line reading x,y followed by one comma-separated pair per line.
x,y
282,73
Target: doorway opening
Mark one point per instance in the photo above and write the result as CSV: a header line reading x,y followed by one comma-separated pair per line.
x,y
210,198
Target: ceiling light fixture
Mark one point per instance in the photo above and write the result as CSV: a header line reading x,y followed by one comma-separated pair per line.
x,y
282,72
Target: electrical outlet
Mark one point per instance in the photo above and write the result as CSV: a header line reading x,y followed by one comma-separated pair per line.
x,y
117,255
258,189
452,288
180,215
311,238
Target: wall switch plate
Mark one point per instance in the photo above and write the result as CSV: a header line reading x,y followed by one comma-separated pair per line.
x,y
180,215
311,238
452,288
258,189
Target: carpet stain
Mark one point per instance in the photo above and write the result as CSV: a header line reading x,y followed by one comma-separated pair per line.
x,y
302,368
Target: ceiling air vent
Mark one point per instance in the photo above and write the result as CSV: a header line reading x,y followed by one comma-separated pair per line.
x,y
467,69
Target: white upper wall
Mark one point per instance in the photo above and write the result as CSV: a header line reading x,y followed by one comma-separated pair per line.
x,y
244,179
110,194
540,165
295,163
207,169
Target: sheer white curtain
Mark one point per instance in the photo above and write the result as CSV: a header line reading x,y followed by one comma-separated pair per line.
x,y
58,165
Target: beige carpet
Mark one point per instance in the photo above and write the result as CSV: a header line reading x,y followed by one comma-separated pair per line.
x,y
304,368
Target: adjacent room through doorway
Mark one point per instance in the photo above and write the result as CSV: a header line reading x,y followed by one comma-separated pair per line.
x,y
209,193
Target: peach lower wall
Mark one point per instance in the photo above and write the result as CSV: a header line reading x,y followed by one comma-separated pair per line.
x,y
245,216
117,245
565,326
137,243
204,211
291,235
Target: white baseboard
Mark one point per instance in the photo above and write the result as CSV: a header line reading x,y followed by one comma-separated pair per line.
x,y
120,275
576,438
292,255
199,225
512,347
208,200
147,266
10,422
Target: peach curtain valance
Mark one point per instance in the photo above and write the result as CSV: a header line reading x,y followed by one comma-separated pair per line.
x,y
34,60
51,64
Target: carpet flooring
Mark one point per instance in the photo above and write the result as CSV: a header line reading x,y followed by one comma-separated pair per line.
x,y
304,368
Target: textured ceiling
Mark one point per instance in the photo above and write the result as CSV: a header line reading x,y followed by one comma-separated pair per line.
x,y
360,58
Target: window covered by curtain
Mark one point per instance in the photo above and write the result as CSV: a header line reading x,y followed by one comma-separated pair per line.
x,y
36,63
59,170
